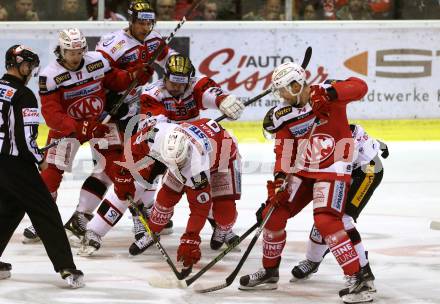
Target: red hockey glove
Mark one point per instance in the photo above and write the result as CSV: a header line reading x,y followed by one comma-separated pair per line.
x,y
90,129
189,249
320,101
277,192
141,72
123,182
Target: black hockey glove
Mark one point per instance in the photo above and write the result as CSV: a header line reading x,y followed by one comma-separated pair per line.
x,y
384,148
259,213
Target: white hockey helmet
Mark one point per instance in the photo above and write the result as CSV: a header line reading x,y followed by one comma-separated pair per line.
x,y
175,149
285,74
71,39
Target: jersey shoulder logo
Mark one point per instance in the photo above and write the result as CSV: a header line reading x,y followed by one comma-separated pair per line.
x,y
108,40
7,92
95,66
283,112
62,77
30,116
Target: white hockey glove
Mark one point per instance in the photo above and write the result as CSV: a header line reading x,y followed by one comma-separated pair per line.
x,y
232,107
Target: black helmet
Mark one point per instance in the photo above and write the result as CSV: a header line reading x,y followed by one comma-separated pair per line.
x,y
179,68
17,54
141,10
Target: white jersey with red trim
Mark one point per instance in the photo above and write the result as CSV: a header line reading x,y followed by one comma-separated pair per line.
x,y
81,92
123,50
366,147
201,93
212,147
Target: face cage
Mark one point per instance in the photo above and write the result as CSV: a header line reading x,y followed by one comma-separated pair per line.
x,y
277,94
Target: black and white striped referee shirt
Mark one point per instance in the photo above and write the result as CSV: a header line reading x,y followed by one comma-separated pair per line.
x,y
19,119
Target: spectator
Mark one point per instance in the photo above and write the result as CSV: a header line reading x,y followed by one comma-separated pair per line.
x,y
70,10
23,10
354,10
109,13
165,10
311,10
382,9
3,13
272,10
419,9
182,7
208,11
229,10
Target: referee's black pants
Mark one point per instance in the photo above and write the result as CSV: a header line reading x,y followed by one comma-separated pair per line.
x,y
23,191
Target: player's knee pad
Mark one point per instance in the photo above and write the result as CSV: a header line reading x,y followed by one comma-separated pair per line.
x,y
273,245
167,197
224,212
315,236
52,177
328,223
278,219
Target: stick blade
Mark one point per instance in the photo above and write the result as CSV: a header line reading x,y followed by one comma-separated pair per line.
x,y
205,288
307,57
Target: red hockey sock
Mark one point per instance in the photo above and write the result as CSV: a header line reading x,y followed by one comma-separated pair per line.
x,y
332,230
273,245
224,213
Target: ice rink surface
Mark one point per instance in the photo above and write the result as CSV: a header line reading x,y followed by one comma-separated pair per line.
x,y
404,252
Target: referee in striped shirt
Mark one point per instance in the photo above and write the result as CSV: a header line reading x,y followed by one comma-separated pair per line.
x,y
21,188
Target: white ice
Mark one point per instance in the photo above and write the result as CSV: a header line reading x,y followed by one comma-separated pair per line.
x,y
404,252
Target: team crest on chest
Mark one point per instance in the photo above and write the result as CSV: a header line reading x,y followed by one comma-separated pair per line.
x,y
86,107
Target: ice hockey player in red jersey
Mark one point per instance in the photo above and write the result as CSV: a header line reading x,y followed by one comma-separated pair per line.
x,y
321,172
127,49
72,92
202,161
181,96
366,177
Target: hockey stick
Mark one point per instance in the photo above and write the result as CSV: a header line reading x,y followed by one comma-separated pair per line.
x,y
156,54
304,64
134,83
179,274
221,255
233,275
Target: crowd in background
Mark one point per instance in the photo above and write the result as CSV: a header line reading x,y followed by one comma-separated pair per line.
x,y
252,10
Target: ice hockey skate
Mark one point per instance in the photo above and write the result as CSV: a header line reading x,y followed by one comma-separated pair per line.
x,y
358,290
91,242
76,227
30,235
304,270
142,243
73,277
263,279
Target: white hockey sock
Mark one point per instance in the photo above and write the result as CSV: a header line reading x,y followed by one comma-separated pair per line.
x,y
87,202
360,250
315,252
